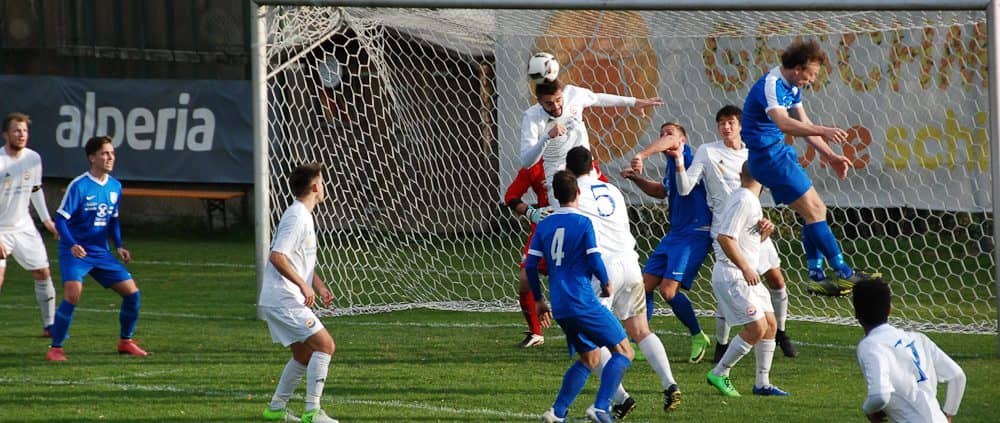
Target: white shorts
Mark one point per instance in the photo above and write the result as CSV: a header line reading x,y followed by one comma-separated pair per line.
x,y
768,257
291,325
739,303
628,294
26,247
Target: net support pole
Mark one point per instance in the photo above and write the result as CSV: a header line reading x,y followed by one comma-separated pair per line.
x,y
258,71
993,20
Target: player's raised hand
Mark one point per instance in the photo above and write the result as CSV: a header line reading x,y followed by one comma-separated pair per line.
x,y
831,134
557,130
124,254
635,164
536,215
766,228
643,103
840,164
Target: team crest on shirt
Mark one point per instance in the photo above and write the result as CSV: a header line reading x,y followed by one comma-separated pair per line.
x,y
751,310
27,175
113,196
311,323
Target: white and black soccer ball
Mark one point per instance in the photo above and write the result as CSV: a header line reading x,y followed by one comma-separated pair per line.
x,y
543,67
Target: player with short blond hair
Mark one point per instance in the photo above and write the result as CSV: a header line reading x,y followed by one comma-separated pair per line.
x,y
21,170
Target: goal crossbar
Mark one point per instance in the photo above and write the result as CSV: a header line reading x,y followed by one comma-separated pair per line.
x,y
762,5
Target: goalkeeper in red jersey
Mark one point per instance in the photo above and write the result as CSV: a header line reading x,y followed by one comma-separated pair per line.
x,y
531,178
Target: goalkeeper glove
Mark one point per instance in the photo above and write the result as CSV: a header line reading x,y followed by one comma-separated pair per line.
x,y
536,215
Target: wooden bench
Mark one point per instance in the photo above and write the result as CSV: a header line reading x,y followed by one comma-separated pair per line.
x,y
215,201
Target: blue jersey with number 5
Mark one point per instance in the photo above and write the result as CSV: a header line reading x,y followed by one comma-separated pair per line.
x,y
88,207
565,239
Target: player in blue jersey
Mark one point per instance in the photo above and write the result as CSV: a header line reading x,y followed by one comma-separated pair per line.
x,y
87,216
678,257
773,108
567,241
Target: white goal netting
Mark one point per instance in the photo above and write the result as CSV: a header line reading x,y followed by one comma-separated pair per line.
x,y
416,113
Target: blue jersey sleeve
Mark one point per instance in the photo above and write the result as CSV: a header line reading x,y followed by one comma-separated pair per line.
x,y
594,261
70,201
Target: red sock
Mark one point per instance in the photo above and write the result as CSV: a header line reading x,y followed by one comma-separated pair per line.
x,y
530,312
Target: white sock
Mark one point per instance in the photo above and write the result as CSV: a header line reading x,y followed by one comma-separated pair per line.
x,y
656,356
620,394
779,300
290,378
319,364
45,293
721,329
765,355
737,349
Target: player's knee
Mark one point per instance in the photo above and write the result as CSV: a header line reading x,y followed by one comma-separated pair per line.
x,y
41,274
774,279
668,289
625,348
591,358
754,331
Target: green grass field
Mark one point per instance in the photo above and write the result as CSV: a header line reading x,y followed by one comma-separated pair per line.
x,y
213,362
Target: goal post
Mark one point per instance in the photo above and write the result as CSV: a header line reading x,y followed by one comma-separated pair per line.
x,y
414,107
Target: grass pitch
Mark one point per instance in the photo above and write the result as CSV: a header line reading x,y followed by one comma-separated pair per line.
x,y
214,362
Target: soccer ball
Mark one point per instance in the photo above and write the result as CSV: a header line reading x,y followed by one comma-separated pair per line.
x,y
543,67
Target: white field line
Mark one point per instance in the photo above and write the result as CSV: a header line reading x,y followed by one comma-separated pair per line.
x,y
243,395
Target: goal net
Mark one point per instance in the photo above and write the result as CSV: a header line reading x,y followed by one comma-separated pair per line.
x,y
416,114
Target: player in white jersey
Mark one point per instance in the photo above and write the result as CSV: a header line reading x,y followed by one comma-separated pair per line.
x,y
605,205
718,164
287,295
902,369
552,127
21,170
743,300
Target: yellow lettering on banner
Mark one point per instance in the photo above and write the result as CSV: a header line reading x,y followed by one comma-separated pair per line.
x,y
897,153
736,59
933,161
979,152
856,82
975,143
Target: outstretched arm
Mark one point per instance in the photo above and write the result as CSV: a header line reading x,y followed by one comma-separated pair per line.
x,y
839,163
649,187
661,144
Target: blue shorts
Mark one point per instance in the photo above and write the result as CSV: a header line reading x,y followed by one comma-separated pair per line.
x,y
101,265
778,169
679,256
594,329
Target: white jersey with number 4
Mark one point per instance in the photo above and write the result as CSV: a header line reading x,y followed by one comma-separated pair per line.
x,y
296,239
20,175
904,368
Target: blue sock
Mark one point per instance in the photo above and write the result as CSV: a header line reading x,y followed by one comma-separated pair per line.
x,y
614,370
64,317
814,257
573,382
129,315
821,236
649,306
684,311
